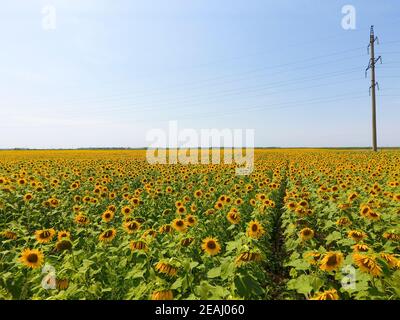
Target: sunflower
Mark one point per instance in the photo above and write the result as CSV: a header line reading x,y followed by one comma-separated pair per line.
x,y
218,205
7,234
32,258
357,236
291,206
162,295
28,197
367,264
331,261
360,247
181,210
233,217
126,210
238,201
179,225
131,226
80,218
191,220
211,246
107,216
391,235
64,244
396,197
166,228
198,193
44,236
186,241
390,259
62,284
138,245
63,234
254,229
247,256
313,257
365,210
306,234
343,222
326,295
108,235
374,216
149,233
352,196
344,206
303,203
166,268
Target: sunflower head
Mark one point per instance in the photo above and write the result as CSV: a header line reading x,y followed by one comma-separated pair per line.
x,y
186,241
306,234
356,235
63,235
179,225
191,220
162,295
64,244
131,226
108,235
45,235
32,258
255,230
367,263
247,256
233,217
211,246
62,284
166,268
326,295
8,234
331,261
107,215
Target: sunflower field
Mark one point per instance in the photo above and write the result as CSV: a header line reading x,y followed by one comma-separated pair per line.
x,y
106,224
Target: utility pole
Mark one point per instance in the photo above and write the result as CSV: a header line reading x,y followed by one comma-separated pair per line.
x,y
371,66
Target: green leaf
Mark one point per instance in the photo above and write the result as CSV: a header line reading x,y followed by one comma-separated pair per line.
x,y
335,235
214,272
177,284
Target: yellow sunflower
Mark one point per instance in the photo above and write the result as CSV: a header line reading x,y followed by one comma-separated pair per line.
x,y
32,258
306,234
63,234
255,230
211,246
166,268
44,236
107,216
191,220
331,261
233,217
162,295
179,225
131,226
367,264
356,235
326,295
138,245
108,235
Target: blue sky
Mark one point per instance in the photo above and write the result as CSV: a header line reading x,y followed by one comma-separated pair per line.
x,y
112,70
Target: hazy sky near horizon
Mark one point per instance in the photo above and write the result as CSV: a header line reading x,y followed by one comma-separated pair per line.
x,y
111,71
